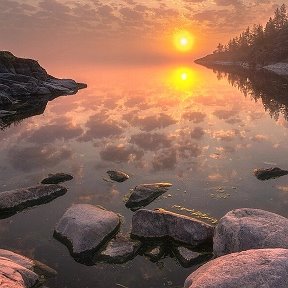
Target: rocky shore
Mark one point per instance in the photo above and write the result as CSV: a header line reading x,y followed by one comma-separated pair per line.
x,y
248,247
280,69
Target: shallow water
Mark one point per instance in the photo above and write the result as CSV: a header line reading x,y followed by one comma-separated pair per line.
x,y
200,131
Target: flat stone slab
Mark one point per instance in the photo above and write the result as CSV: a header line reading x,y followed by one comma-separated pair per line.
x,y
144,194
119,250
160,223
250,269
57,178
270,173
84,229
17,271
246,228
19,199
117,175
188,258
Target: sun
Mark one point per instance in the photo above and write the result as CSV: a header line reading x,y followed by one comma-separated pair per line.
x,y
183,40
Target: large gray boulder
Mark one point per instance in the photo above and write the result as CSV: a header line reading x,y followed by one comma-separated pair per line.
x,y
261,268
57,178
144,194
165,224
23,78
85,228
244,229
19,199
17,271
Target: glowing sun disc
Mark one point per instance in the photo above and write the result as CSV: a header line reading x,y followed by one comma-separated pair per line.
x,y
183,41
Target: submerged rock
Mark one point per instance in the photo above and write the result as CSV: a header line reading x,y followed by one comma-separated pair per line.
x,y
117,176
119,250
17,200
144,194
155,253
22,78
244,229
57,178
187,257
266,174
162,224
253,268
85,229
17,271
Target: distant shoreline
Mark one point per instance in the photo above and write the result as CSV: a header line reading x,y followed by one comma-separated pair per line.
x,y
280,68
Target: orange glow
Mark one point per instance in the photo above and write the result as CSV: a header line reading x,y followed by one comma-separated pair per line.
x,y
183,41
183,79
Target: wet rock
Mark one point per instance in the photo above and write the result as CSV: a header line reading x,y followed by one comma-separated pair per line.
x,y
85,228
119,250
253,268
155,253
17,271
117,176
144,194
57,178
19,199
244,229
21,79
187,257
162,224
266,174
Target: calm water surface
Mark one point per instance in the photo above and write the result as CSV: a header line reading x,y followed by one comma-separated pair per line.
x,y
204,132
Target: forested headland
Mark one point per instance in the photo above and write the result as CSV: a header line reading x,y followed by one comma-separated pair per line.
x,y
258,45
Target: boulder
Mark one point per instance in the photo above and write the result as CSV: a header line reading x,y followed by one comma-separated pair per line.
x,y
119,250
17,271
57,178
85,229
144,194
246,228
250,269
19,199
187,257
22,78
160,223
266,174
117,176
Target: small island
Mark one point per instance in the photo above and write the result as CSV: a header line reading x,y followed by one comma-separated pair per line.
x,y
257,48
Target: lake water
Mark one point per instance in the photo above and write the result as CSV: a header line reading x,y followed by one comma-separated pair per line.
x,y
202,131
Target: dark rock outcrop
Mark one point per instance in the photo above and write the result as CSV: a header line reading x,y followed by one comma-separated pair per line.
x,y
253,268
117,176
270,173
144,194
244,229
16,200
160,223
22,78
57,178
84,229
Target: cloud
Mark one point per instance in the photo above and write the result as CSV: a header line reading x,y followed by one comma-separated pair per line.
x,y
98,127
37,157
195,117
119,153
165,160
151,141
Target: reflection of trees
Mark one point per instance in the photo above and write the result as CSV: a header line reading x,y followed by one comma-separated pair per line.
x,y
271,89
21,111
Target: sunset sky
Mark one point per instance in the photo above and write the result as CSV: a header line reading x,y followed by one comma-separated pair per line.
x,y
123,31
